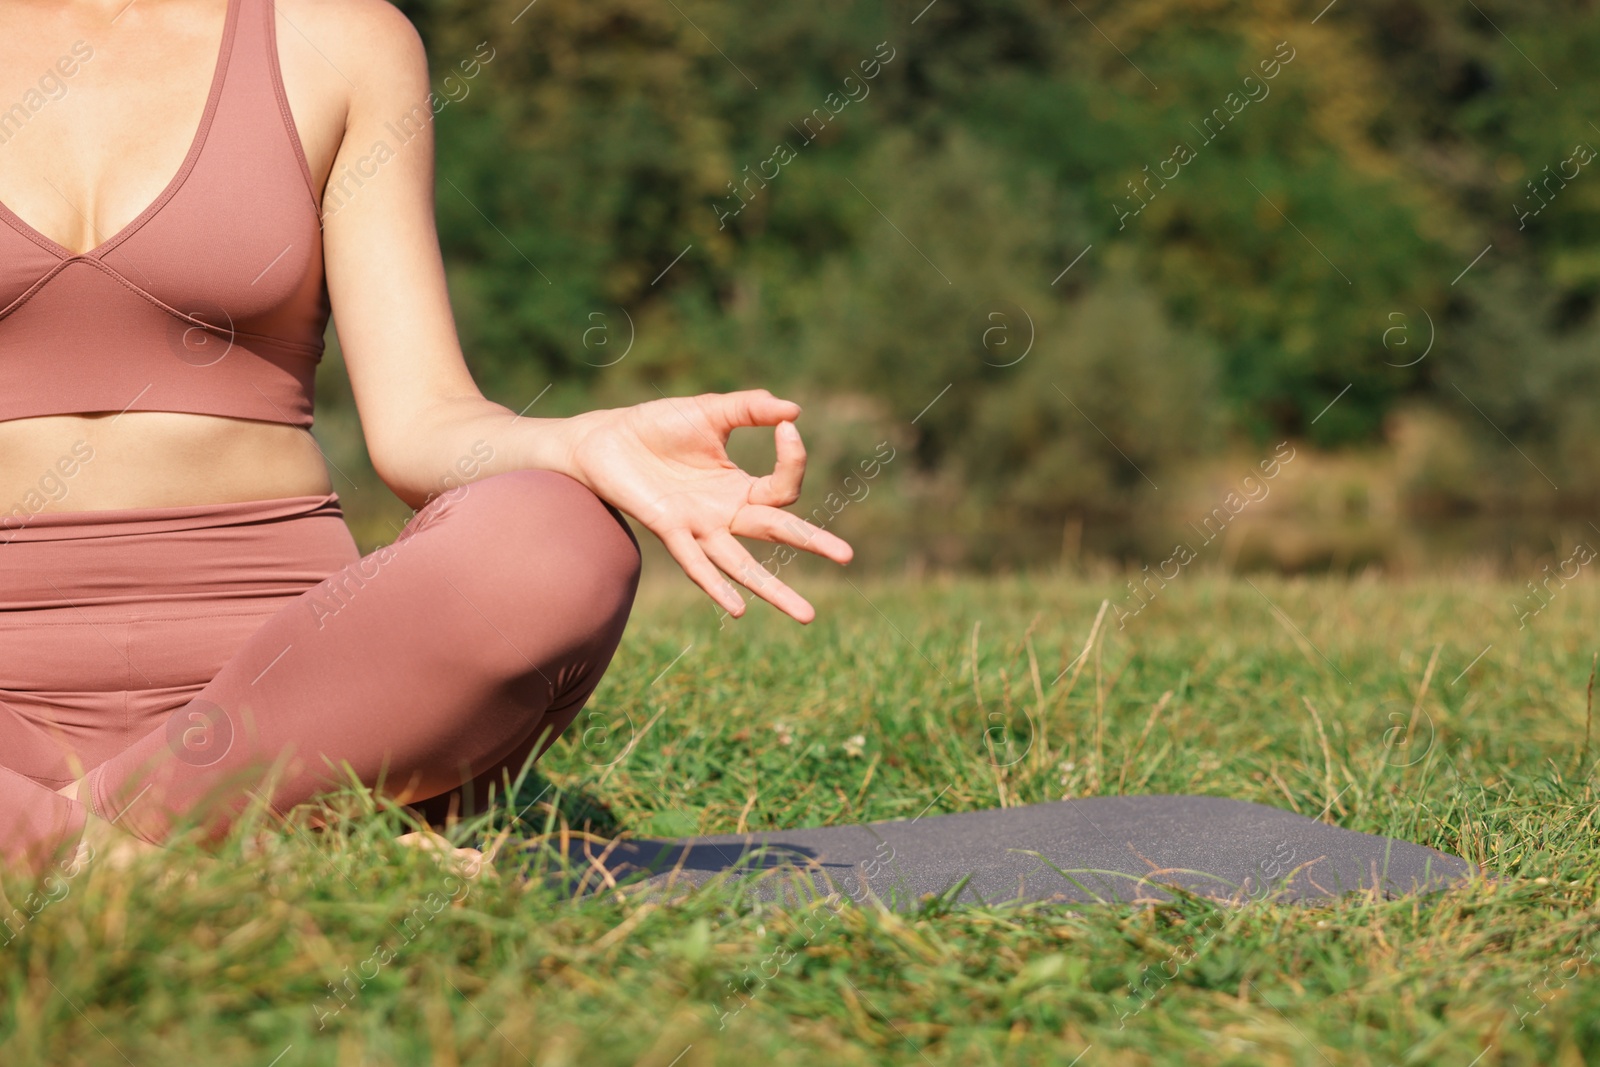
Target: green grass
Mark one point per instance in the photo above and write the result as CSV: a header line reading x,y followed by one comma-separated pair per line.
x,y
184,962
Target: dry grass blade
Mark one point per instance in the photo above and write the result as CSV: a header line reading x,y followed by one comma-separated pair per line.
x,y
1422,690
1327,761
1144,735
1588,718
1076,666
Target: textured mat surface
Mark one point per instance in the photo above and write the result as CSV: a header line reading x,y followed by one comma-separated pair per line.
x,y
1096,849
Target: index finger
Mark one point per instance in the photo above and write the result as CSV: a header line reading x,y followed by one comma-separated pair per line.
x,y
748,407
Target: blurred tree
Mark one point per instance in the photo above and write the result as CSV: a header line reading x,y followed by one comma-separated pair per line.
x,y
724,194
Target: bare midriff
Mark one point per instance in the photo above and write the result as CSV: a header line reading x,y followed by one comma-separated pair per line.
x,y
152,459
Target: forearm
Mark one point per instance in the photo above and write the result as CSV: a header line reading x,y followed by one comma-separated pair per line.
x,y
459,440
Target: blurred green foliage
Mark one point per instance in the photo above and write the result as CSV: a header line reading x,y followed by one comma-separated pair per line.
x,y
875,245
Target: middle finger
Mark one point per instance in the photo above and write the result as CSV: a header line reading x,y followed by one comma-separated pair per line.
x,y
780,527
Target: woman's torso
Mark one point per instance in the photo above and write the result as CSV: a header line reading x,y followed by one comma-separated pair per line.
x,y
81,168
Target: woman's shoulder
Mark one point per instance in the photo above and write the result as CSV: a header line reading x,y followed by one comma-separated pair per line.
x,y
367,43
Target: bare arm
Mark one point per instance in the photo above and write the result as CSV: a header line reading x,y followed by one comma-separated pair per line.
x,y
420,410
664,463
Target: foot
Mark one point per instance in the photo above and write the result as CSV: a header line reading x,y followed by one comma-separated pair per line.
x,y
470,863
101,841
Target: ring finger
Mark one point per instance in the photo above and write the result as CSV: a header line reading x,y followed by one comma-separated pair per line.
x,y
737,563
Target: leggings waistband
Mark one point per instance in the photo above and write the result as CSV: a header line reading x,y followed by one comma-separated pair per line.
x,y
137,559
133,522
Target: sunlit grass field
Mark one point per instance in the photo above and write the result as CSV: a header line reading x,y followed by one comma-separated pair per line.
x,y
1419,710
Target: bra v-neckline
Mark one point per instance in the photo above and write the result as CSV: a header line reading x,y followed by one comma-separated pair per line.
x,y
218,77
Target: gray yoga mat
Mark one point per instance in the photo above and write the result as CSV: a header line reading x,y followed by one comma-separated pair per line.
x,y
1100,849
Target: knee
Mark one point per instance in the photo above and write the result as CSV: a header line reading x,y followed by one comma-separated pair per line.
x,y
541,539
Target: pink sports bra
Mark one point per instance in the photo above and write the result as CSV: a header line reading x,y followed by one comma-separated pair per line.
x,y
212,300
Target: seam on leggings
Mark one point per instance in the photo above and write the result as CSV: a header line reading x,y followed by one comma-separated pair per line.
x,y
181,616
97,804
90,790
127,658
63,838
178,615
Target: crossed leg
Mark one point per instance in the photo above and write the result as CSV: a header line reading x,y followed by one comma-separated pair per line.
x,y
428,666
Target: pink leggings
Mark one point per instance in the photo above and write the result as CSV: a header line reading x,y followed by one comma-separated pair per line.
x,y
179,654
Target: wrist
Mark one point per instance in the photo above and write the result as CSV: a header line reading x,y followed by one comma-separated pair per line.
x,y
572,445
